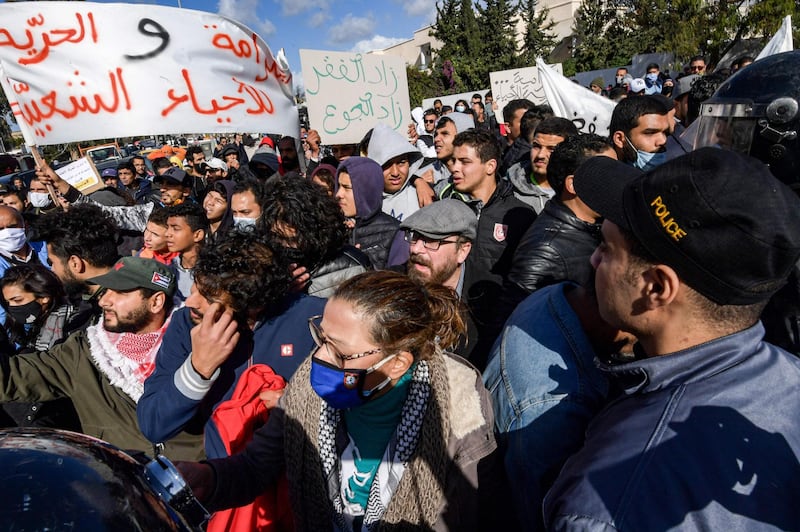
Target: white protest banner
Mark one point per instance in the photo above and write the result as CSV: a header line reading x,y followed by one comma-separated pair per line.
x,y
589,112
348,93
81,174
516,84
79,70
781,41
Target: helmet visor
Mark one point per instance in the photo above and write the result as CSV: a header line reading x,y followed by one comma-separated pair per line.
x,y
726,125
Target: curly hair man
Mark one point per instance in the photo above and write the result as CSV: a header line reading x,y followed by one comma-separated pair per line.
x,y
240,314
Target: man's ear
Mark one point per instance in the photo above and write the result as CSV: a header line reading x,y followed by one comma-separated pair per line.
x,y
76,264
569,185
618,138
157,302
662,285
491,166
463,252
199,235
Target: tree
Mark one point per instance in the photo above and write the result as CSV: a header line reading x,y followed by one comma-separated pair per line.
x,y
457,28
539,39
5,129
496,23
599,38
422,85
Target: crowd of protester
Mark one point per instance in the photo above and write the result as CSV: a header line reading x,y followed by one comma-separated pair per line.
x,y
479,323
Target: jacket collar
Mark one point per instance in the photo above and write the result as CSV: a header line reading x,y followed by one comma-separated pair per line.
x,y
556,208
685,367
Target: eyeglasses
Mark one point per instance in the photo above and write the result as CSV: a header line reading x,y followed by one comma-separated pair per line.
x,y
430,121
412,237
321,341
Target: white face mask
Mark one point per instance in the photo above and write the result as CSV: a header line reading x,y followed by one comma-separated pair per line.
x,y
39,199
12,239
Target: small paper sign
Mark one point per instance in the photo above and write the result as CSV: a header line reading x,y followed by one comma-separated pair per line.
x,y
82,174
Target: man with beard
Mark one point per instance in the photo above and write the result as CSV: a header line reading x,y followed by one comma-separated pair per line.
x,y
81,245
103,368
429,233
240,315
290,161
440,237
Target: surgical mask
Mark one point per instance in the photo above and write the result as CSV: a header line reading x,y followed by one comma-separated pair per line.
x,y
652,77
460,108
646,161
244,224
343,388
12,239
27,313
39,199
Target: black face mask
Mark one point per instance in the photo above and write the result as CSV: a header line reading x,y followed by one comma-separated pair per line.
x,y
293,255
27,313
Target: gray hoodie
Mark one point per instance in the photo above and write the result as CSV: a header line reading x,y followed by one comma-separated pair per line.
x,y
525,190
385,145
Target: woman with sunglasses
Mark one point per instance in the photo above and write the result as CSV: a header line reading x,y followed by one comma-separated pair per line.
x,y
380,427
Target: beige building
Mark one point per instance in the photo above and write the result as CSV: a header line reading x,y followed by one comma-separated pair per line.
x,y
418,50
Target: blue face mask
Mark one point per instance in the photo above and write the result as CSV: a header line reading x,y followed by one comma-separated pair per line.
x,y
343,388
646,161
652,77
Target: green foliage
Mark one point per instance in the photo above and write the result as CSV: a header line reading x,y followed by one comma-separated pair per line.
x,y
496,30
5,130
539,39
479,38
600,39
610,33
422,85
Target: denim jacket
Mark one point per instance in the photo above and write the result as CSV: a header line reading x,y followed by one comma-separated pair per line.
x,y
703,439
545,389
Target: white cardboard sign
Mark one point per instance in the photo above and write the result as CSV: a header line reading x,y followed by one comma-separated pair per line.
x,y
348,93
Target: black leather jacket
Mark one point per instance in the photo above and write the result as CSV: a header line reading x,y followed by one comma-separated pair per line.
x,y
555,248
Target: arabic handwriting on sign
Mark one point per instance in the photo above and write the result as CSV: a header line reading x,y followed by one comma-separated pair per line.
x,y
36,112
580,123
21,87
158,32
260,101
336,121
343,72
249,48
36,53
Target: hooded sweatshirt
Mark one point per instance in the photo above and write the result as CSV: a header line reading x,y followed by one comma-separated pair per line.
x,y
384,145
227,218
375,232
525,190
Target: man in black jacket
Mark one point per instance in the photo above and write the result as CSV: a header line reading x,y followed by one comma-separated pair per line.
x,y
558,245
502,220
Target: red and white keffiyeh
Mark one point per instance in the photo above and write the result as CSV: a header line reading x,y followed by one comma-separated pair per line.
x,y
127,359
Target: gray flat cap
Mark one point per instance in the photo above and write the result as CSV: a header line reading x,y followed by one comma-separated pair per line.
x,y
443,218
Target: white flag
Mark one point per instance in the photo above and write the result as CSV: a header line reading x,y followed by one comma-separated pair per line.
x,y
781,41
590,112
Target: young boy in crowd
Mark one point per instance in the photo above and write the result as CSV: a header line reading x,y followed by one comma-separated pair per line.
x,y
155,241
187,226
